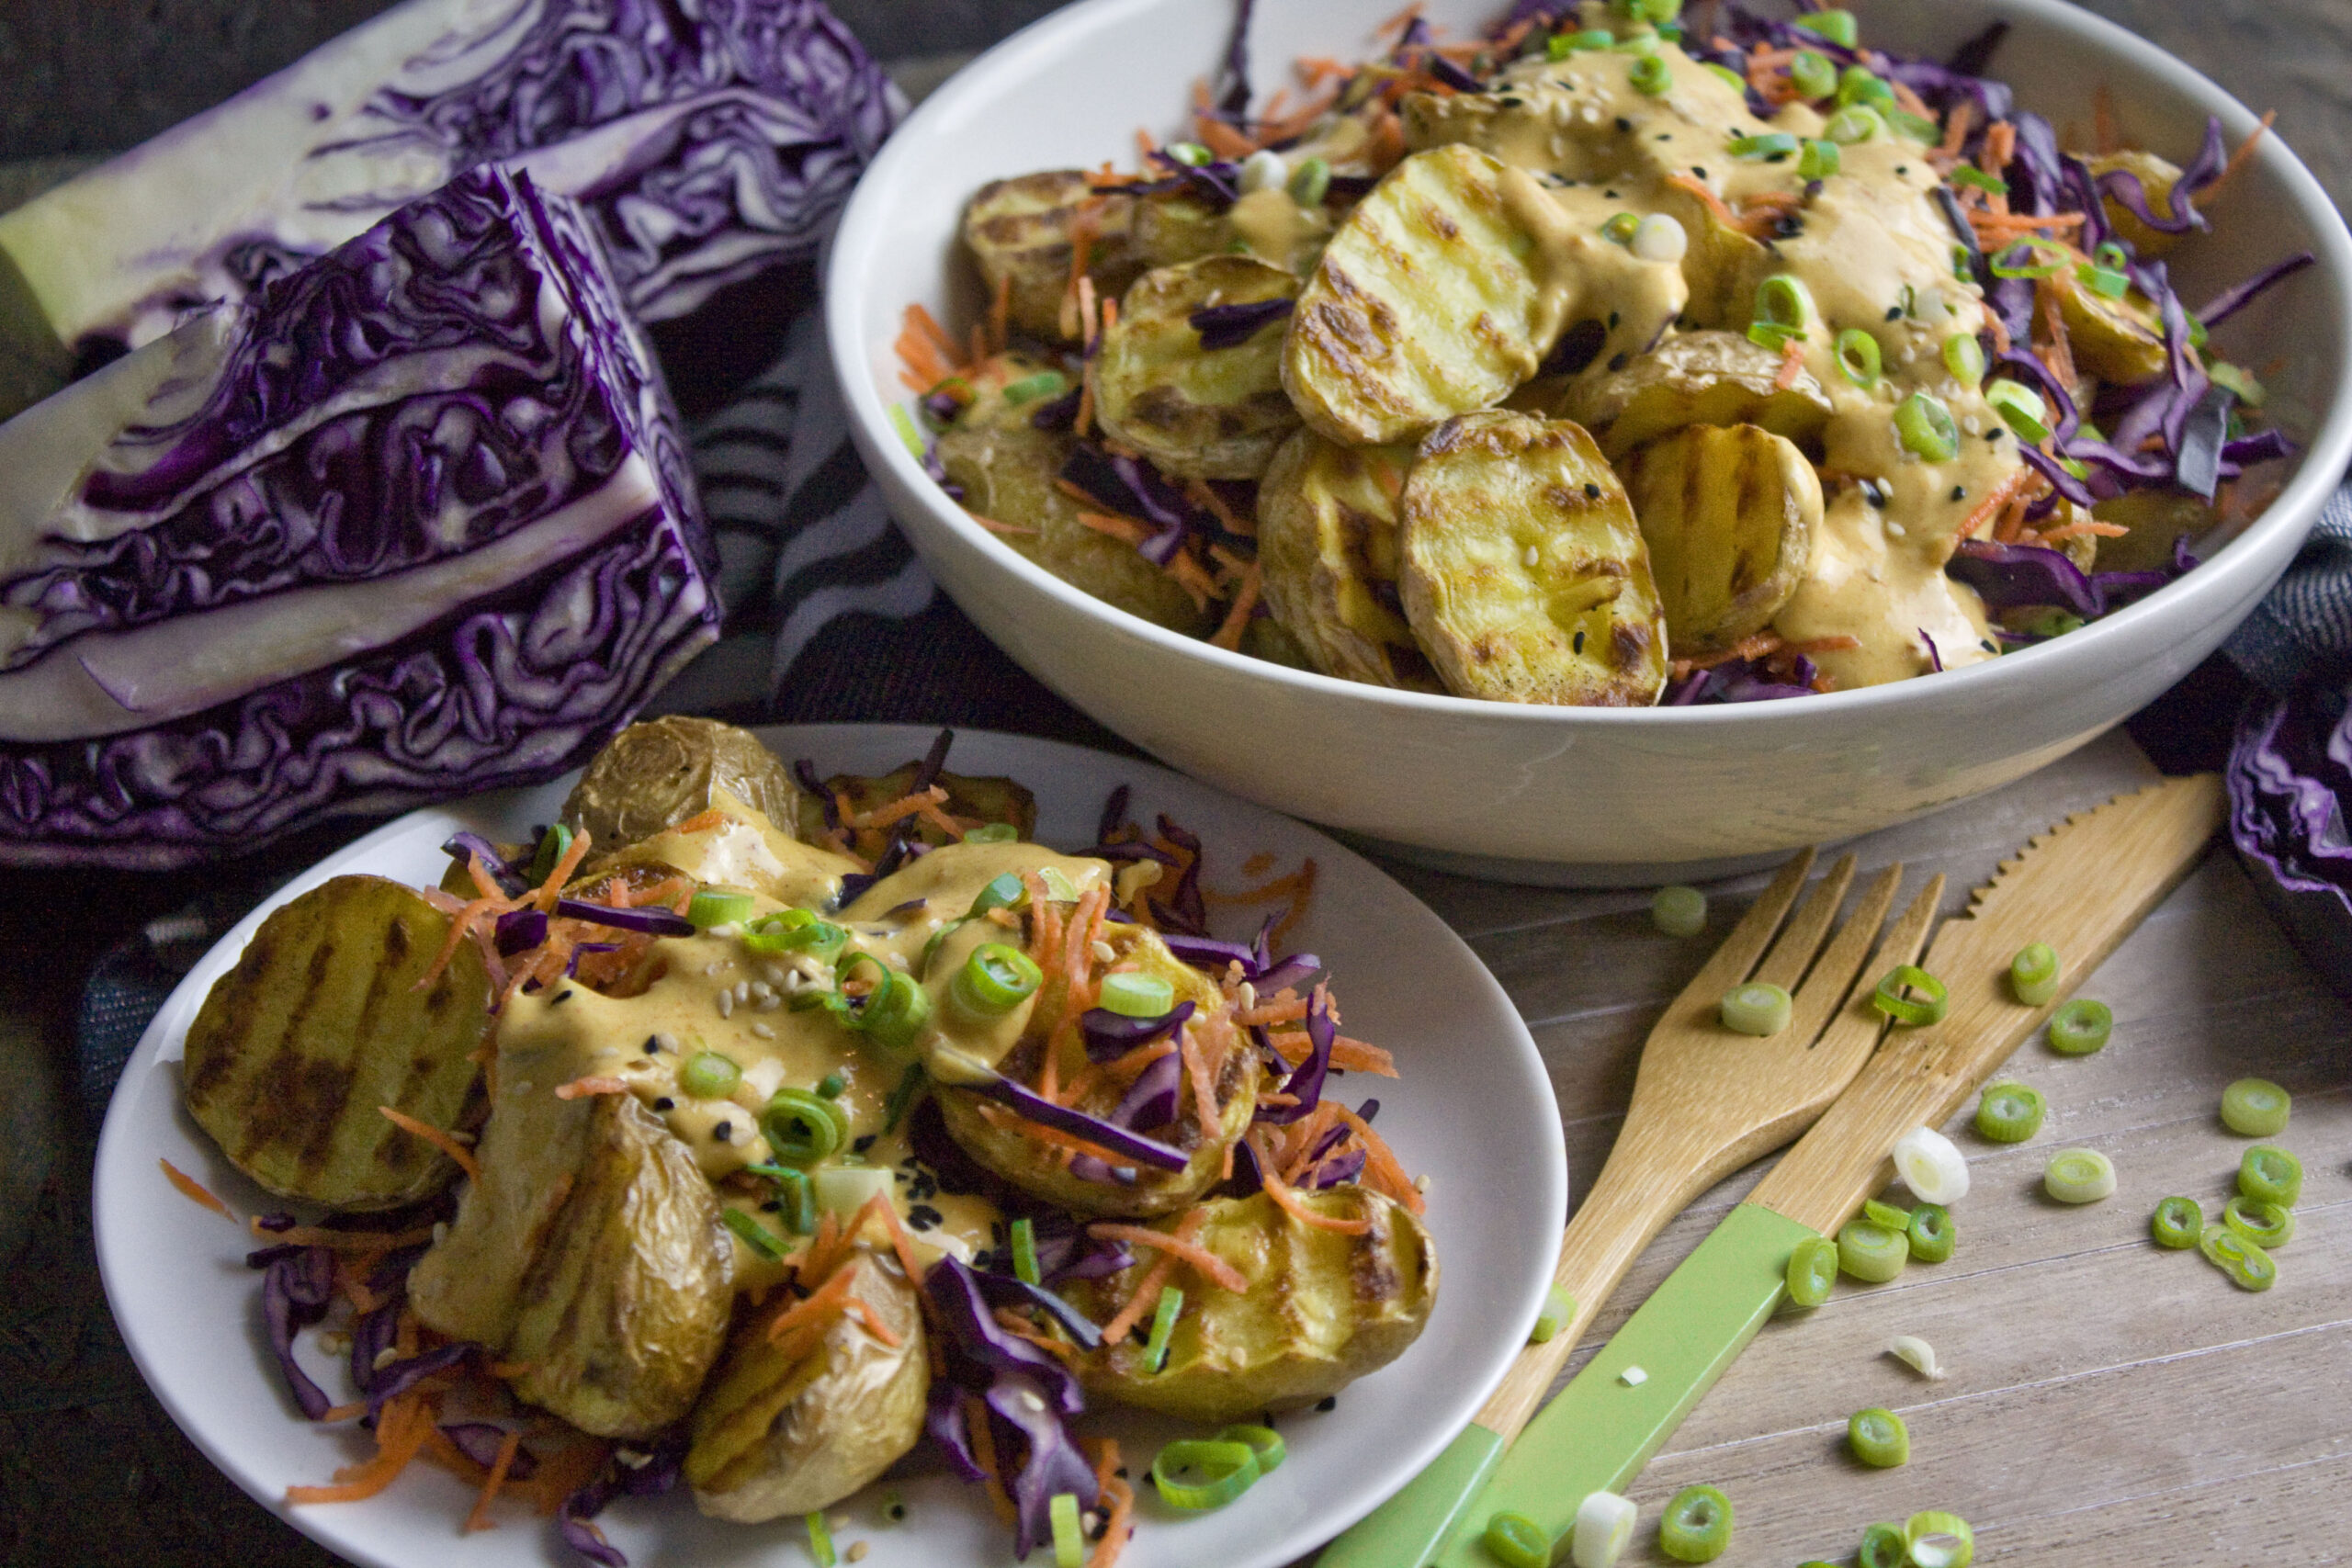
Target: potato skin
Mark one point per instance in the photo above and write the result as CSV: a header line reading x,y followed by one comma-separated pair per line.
x,y
658,774
2158,176
1729,515
2115,340
1582,623
1328,555
319,1024
1020,232
1196,413
772,1435
1702,377
1323,1309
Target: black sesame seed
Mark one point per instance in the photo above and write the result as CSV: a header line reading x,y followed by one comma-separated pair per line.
x,y
559,998
724,1132
864,1144
1776,157
1508,103
664,1103
1987,646
1611,194
1617,361
1329,1403
923,1217
1698,171
1960,492
1613,320
653,1044
773,1206
1592,492
1895,312
1665,136
1902,168
1788,226
1624,124
1577,646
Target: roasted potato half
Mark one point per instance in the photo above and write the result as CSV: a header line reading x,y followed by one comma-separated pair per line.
x,y
2116,340
1729,513
1525,577
1023,233
658,774
1172,228
1703,378
990,1134
1327,555
1323,1309
1007,476
1197,411
776,1433
2156,518
319,1025
2156,177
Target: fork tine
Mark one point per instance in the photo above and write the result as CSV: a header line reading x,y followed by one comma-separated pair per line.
x,y
1733,960
1785,965
1833,973
1858,1026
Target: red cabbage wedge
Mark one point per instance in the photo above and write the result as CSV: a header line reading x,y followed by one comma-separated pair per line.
x,y
707,140
410,522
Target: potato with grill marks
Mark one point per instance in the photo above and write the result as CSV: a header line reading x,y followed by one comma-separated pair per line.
x,y
1729,513
1023,233
321,1024
1705,377
1525,576
1328,550
1197,411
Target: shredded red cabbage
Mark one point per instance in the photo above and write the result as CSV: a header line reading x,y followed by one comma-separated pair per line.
x,y
648,920
1230,326
1110,1035
294,1295
509,881
480,1441
1305,1080
1035,1107
2290,772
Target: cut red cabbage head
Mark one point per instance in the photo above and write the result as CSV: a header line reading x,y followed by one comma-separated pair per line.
x,y
707,141
412,521
2290,775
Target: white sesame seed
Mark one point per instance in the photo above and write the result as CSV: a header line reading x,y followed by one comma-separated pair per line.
x,y
727,1004
386,1356
1104,951
764,1031
712,968
1246,996
743,991
857,1550
1030,1401
774,973
769,1003
762,989
727,929
1896,529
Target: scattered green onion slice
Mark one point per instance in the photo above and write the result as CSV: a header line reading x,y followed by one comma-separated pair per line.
x,y
1679,910
1163,1324
2248,1266
1965,175
1878,1438
1771,143
1558,1307
555,843
1196,1473
902,1098
2270,1174
1931,1232
794,930
707,1075
2238,380
1838,26
1764,334
1621,228
820,1539
1939,1540
2177,1224
1264,1442
1696,1526
1812,74
1813,1268
893,1506
993,833
1782,301
803,1128
895,1011
2033,973
1132,995
1310,182
1859,122
1757,1008
1005,892
1931,1165
1069,1535
757,1236
1882,1546
1819,160
2110,255
1919,1355
2010,1113
831,1085
1871,1253
2103,281
1890,998
2021,408
1650,76
1192,155
1925,427
1858,357
1604,1527
1964,357
1024,1251
2078,1176
1045,384
1516,1542
1885,1215
1733,77
2027,258
1859,84
2268,1225
845,1190
2256,1108
1589,39
1918,128
908,437
2081,1027
997,978
719,907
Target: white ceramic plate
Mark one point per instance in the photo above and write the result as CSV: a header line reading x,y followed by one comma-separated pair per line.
x,y
1473,1109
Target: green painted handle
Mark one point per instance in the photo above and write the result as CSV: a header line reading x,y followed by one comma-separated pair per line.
x,y
1600,1430
1406,1530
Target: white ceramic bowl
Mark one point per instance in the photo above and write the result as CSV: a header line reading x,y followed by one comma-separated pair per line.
x,y
1570,794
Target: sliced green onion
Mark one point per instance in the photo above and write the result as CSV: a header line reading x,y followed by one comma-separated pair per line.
x,y
1757,1008
2248,1266
794,930
1931,1232
1264,1442
1131,994
2081,1027
1764,334
1680,911
1558,1307
1024,1251
1813,1268
1771,143
2239,380
2027,258
1964,357
803,1128
1858,123
1661,12
1965,175
2105,282
716,907
1891,997
1005,892
2112,254
1163,1323
1782,301
992,833
894,1011
2270,1174
1516,1542
1650,76
893,1506
2078,1176
1939,1540
1310,182
1838,26
1819,160
2177,1224
1918,128
1858,357
1931,1165
902,1098
997,978
1562,45
1926,429
1882,1546
1192,155
1045,384
831,1085
1621,228
2256,1108
908,437
820,1539
555,843
1696,1526
1196,1473
1878,1438
1069,1535
1604,1527
707,1075
1733,77
2021,408
1871,1253
1859,85
757,1236
1919,1355
2010,1113
2196,331
1885,1215
1813,75
842,1190
2268,1225
2033,973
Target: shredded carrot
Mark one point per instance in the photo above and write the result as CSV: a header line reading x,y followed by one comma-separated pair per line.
x,y
1396,25
1956,127
2015,222
1792,364
1117,1528
1289,1009
1287,1199
2059,353
456,1151
983,1440
2000,146
1146,1294
459,928
830,1300
565,1471
2238,159
2094,528
1841,643
901,1243
993,527
1707,197
1237,620
874,1324
1380,1164
905,806
195,1191
341,1241
1191,577
1085,400
401,1429
1197,1069
479,1518
1202,494
817,1260
1998,497
593,1083
1013,1323
1207,1264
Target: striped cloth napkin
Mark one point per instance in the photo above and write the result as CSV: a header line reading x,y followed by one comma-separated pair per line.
x,y
2305,623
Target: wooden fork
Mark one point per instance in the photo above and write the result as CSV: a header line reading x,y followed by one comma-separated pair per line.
x,y
1706,1101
